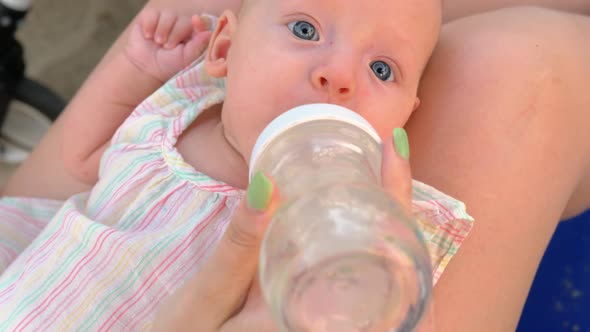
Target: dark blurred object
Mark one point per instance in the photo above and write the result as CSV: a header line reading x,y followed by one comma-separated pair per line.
x,y
559,299
15,89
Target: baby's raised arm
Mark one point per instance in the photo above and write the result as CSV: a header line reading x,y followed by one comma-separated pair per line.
x,y
159,45
45,174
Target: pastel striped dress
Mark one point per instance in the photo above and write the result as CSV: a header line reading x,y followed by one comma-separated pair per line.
x,y
104,260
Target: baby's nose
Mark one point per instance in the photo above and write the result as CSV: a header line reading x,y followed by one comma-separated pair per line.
x,y
335,79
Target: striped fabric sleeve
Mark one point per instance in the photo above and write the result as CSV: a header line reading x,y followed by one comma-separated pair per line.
x,y
444,223
21,220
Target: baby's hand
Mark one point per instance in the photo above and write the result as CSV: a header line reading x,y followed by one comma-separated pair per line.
x,y
163,43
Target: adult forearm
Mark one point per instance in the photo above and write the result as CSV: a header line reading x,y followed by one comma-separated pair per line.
x,y
453,9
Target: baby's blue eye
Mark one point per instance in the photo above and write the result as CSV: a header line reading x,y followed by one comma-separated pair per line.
x,y
382,70
304,30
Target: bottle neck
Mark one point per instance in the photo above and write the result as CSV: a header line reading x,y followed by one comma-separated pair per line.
x,y
321,153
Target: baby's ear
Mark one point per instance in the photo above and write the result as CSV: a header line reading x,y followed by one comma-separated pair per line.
x,y
219,45
416,104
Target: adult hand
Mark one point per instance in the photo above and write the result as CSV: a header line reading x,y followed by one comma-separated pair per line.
x,y
224,296
396,175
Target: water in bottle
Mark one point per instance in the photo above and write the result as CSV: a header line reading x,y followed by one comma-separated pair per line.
x,y
339,254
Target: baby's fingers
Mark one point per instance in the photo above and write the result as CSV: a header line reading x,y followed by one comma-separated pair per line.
x,y
180,32
199,22
395,170
166,21
196,46
148,21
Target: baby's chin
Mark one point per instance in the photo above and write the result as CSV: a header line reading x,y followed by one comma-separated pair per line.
x,y
247,155
241,151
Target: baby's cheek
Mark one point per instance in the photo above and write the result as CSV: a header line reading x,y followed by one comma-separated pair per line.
x,y
385,124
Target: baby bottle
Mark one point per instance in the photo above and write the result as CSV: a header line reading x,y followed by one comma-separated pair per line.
x,y
339,254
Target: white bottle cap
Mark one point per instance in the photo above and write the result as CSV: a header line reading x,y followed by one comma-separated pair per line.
x,y
306,113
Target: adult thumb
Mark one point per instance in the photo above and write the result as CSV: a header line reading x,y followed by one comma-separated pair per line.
x,y
221,285
396,174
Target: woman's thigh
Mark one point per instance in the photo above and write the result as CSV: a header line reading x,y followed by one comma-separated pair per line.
x,y
504,126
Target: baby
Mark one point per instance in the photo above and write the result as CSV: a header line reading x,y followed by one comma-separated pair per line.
x,y
173,173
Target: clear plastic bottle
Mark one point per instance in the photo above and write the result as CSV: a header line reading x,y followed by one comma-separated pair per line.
x,y
340,254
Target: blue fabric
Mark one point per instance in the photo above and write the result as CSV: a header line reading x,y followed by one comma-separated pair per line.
x,y
559,299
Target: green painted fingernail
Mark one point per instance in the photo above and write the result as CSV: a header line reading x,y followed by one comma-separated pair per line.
x,y
259,192
400,139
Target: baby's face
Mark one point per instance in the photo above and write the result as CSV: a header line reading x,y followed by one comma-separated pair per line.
x,y
366,55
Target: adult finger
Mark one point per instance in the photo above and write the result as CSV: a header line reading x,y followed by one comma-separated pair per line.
x,y
395,169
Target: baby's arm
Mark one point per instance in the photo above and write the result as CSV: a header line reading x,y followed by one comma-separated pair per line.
x,y
44,174
159,45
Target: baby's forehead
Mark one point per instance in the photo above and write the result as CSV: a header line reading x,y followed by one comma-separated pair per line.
x,y
370,12
436,4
